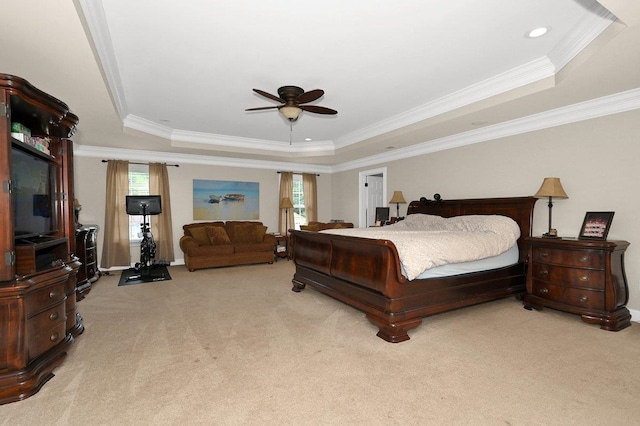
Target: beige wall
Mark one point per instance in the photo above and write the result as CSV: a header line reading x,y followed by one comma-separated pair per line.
x,y
598,162
90,179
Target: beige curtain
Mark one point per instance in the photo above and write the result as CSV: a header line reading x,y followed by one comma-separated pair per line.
x,y
286,191
115,248
161,225
310,196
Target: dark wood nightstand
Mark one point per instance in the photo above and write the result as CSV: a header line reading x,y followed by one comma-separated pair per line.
x,y
281,250
584,277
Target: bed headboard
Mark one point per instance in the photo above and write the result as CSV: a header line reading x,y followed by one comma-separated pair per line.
x,y
519,209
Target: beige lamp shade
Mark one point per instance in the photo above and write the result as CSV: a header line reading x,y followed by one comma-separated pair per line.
x,y
551,187
286,203
397,197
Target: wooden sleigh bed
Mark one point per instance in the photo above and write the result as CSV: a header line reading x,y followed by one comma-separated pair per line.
x,y
367,274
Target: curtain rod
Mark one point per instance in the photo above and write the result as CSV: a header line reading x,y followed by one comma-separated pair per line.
x,y
297,173
133,162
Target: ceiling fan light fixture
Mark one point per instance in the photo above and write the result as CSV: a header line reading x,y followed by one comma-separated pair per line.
x,y
291,113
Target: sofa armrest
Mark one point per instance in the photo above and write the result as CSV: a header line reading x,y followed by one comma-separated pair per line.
x,y
269,238
187,242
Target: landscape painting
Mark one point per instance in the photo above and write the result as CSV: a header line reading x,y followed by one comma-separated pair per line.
x,y
225,200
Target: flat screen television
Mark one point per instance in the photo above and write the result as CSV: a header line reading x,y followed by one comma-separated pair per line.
x,y
33,192
138,205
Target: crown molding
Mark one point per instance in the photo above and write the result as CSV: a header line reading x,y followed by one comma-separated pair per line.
x,y
98,33
586,31
600,107
172,157
201,140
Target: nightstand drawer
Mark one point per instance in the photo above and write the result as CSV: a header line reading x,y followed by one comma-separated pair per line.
x,y
577,297
574,277
580,258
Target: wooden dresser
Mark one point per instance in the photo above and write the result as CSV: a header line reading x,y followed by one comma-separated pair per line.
x,y
584,277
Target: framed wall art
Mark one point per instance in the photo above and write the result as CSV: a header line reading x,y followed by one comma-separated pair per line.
x,y
225,200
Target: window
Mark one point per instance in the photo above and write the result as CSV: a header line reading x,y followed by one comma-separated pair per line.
x,y
299,212
138,185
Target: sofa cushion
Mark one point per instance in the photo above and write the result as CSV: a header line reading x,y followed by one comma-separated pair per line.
x,y
210,250
253,247
218,235
200,234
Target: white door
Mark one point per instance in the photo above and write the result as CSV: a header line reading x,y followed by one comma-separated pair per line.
x,y
375,196
373,193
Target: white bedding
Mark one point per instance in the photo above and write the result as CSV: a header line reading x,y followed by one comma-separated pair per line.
x,y
427,241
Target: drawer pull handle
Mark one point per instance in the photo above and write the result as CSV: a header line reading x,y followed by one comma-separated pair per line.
x,y
544,254
54,337
54,294
53,316
583,298
544,290
584,278
544,273
584,259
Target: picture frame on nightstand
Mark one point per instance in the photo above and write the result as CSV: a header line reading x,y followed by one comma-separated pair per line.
x,y
595,225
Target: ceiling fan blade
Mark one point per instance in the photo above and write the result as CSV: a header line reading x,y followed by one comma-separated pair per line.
x,y
309,96
261,108
318,109
268,95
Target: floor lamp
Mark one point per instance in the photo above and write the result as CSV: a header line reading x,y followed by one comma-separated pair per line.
x,y
551,187
286,204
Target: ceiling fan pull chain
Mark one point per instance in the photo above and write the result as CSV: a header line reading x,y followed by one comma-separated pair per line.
x,y
290,133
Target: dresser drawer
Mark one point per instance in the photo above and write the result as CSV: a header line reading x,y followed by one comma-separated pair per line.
x,y
46,319
47,339
577,297
90,256
44,298
574,277
580,258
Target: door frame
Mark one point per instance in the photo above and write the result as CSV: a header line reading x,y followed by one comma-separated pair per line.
x,y
362,201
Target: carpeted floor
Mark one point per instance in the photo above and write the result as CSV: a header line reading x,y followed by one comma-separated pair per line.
x,y
235,346
144,275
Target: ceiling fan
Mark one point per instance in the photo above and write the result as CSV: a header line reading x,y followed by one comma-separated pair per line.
x,y
293,100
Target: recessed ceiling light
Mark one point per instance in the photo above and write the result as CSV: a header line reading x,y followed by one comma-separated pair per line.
x,y
308,139
537,32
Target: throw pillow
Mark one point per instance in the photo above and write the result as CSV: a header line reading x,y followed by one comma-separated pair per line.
x,y
259,233
199,233
218,235
244,234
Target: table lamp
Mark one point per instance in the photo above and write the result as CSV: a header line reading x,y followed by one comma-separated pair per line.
x,y
551,187
397,198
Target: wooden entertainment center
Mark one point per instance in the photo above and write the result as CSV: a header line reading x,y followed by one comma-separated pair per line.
x,y
38,270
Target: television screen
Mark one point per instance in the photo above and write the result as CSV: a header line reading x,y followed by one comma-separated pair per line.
x,y
33,189
382,214
138,205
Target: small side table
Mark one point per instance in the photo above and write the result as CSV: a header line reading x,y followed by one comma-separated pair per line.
x,y
281,249
584,277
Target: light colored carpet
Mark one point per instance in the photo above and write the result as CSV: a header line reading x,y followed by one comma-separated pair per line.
x,y
236,346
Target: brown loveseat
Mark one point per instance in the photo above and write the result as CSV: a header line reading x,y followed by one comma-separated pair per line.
x,y
321,226
215,244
